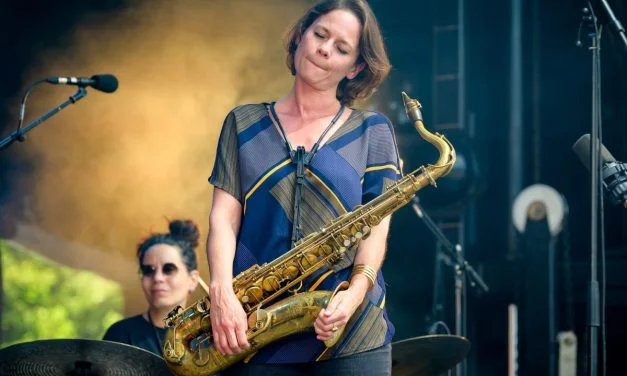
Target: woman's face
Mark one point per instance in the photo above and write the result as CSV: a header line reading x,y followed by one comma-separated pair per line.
x,y
165,279
328,50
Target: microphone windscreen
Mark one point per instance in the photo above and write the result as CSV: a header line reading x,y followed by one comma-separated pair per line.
x,y
582,149
107,83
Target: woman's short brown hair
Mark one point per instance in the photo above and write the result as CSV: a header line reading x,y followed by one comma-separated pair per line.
x,y
371,48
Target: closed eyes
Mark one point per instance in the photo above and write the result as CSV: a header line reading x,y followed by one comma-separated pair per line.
x,y
339,49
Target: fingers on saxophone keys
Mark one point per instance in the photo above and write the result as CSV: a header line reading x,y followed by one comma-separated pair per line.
x,y
222,344
322,334
323,318
322,327
338,316
242,339
232,341
221,341
233,345
215,338
325,331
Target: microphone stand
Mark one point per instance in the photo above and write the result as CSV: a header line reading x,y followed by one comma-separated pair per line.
x,y
18,135
594,318
462,269
614,22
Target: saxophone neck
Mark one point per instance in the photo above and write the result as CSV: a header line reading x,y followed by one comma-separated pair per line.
x,y
412,108
447,158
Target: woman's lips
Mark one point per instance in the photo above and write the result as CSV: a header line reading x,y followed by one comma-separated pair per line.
x,y
314,63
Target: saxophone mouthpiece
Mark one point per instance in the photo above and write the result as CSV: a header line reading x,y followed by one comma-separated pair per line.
x,y
412,107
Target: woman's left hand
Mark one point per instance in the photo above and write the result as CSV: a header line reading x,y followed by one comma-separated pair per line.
x,y
339,310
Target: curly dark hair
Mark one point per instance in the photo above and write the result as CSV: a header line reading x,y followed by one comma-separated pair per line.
x,y
371,48
184,235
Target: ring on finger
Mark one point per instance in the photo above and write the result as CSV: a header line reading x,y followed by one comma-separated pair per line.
x,y
334,328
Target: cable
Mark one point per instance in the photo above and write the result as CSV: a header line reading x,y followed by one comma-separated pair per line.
x,y
433,329
20,119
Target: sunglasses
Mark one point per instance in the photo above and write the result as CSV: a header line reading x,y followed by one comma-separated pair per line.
x,y
167,269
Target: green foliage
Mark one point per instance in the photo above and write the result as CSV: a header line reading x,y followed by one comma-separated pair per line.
x,y
43,300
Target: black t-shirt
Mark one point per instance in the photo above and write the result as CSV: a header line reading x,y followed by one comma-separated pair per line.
x,y
137,331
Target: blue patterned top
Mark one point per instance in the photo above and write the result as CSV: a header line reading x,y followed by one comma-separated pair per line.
x,y
354,166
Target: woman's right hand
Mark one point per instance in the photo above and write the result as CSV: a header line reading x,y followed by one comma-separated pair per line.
x,y
228,320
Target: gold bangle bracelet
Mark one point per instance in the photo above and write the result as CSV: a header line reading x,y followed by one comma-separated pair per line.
x,y
368,271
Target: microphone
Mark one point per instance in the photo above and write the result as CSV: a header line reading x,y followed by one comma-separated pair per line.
x,y
107,83
614,173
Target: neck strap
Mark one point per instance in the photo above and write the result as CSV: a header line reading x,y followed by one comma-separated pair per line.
x,y
301,159
317,144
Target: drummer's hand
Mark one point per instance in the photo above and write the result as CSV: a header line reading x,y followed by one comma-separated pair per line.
x,y
228,320
341,308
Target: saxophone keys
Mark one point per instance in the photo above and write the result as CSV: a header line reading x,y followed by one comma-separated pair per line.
x,y
290,272
430,177
173,315
359,230
294,290
325,250
308,260
201,307
375,219
271,283
343,240
252,295
259,321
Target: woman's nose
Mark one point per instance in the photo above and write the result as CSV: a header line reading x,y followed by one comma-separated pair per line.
x,y
323,49
159,275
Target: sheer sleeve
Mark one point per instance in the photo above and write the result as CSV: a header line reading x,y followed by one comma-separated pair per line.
x,y
383,165
226,173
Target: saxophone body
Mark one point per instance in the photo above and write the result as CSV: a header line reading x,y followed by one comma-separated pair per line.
x,y
188,348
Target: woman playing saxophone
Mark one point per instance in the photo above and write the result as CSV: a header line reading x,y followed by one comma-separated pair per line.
x,y
286,168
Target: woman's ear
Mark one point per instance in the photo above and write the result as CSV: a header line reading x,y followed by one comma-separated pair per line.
x,y
355,70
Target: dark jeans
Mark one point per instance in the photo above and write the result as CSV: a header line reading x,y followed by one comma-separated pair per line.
x,y
377,362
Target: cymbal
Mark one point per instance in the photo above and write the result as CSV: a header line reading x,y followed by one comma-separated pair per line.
x,y
84,357
429,355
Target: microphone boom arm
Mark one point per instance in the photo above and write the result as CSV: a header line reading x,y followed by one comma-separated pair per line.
x,y
454,250
19,133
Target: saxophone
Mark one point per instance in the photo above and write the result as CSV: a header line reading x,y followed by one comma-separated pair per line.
x,y
188,349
